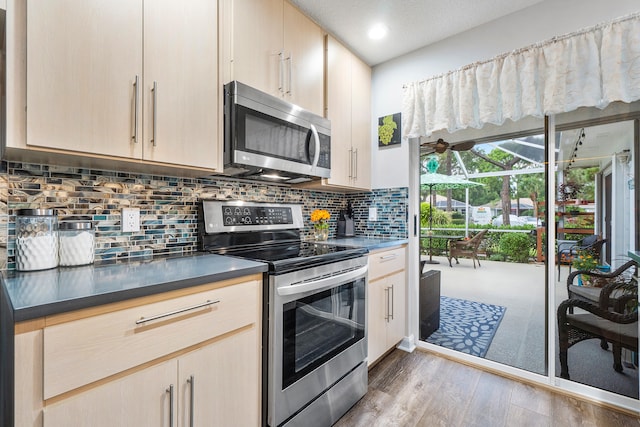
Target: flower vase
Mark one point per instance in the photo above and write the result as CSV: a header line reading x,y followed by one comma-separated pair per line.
x,y
583,280
321,234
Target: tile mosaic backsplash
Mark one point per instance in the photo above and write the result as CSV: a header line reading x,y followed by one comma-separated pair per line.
x,y
168,206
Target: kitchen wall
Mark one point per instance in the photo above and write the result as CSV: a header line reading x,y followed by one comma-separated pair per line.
x,y
168,206
537,23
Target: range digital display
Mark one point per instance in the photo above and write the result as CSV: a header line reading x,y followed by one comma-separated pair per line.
x,y
234,216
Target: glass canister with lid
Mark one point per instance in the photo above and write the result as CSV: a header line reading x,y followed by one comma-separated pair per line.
x,y
36,239
77,240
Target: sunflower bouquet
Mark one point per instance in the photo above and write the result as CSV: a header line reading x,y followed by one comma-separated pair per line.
x,y
320,218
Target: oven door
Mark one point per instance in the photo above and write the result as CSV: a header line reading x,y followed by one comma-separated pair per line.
x,y
318,335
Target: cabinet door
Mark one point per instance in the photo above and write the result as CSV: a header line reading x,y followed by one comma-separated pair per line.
x,y
339,111
361,123
220,383
139,399
256,43
180,91
303,61
396,284
376,323
83,57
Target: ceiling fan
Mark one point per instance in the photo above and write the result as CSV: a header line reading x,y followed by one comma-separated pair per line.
x,y
440,146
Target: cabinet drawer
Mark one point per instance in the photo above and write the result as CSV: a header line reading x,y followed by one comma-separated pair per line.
x,y
83,351
386,262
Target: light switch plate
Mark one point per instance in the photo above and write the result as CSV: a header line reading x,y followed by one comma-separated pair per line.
x,y
373,214
130,220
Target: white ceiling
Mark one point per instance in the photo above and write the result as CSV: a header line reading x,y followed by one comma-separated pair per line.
x,y
412,24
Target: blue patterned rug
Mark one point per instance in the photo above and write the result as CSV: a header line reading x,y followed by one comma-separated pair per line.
x,y
467,326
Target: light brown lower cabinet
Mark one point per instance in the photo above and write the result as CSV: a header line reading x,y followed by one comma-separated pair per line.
x,y
386,301
209,386
190,379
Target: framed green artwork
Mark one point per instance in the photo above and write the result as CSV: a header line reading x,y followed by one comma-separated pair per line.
x,y
389,130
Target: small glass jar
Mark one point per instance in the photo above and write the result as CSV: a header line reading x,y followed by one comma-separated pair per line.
x,y
77,240
36,239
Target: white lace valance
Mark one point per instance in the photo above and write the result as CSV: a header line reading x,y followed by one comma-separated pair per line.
x,y
589,68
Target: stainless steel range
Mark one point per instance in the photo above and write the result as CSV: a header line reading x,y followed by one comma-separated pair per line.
x,y
315,309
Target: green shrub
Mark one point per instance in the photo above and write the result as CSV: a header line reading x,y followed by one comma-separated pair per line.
x,y
457,215
515,246
497,257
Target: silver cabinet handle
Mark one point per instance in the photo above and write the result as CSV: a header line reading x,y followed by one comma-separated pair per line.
x,y
350,163
386,309
388,257
173,313
355,164
391,310
155,112
316,139
280,72
290,60
170,391
191,403
135,111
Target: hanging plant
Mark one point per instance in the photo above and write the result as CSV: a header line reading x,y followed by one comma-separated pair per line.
x,y
569,190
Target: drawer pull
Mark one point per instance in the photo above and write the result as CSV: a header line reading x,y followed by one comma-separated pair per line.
x,y
173,313
388,257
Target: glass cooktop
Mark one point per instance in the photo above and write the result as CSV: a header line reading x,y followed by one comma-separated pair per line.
x,y
290,256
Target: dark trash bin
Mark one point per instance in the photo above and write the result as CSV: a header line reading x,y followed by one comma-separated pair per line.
x,y
429,302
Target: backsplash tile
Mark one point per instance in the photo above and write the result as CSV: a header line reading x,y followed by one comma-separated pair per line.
x,y
168,206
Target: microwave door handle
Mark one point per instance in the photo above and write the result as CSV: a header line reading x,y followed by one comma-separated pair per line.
x,y
326,283
316,154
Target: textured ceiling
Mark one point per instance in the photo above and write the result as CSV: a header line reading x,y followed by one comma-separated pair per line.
x,y
412,24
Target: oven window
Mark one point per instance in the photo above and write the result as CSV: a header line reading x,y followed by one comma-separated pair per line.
x,y
320,326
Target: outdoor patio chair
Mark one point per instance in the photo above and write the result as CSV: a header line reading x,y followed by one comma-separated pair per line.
x,y
466,248
597,280
617,326
568,250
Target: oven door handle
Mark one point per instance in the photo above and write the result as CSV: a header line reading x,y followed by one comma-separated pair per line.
x,y
326,283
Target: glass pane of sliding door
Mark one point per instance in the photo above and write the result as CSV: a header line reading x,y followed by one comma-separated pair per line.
x,y
595,278
485,243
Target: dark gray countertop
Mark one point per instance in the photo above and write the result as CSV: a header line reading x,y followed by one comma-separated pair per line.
x,y
366,242
40,293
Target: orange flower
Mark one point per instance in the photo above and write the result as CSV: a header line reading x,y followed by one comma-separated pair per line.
x,y
320,215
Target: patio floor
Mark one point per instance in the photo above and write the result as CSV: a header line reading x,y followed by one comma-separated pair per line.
x,y
520,338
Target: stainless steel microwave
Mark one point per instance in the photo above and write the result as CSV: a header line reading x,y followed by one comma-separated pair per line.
x,y
268,138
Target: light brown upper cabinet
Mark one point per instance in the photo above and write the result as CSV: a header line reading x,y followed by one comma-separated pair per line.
x,y
271,46
125,79
349,109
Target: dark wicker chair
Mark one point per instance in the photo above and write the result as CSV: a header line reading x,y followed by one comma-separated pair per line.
x,y
591,294
568,250
466,248
610,319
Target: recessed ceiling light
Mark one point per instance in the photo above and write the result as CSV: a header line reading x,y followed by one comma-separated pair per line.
x,y
377,32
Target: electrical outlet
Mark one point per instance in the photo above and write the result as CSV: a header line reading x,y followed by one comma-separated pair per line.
x,y
373,214
130,220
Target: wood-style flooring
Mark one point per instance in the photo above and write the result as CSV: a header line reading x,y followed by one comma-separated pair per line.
x,y
424,389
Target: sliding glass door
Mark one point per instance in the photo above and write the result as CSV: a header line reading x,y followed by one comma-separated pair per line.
x,y
551,289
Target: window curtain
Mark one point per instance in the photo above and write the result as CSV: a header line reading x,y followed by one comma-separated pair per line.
x,y
588,68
